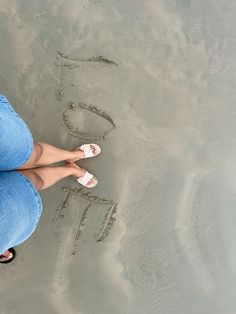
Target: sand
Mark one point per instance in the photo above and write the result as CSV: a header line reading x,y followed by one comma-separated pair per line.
x,y
153,83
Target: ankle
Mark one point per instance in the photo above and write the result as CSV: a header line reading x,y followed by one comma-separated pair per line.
x,y
76,155
75,171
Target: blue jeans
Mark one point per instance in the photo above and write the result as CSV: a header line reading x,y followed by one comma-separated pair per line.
x,y
20,202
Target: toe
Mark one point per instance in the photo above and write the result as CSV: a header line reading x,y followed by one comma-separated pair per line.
x,y
92,181
93,148
6,256
96,149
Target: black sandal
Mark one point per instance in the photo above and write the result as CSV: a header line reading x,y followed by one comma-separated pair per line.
x,y
10,259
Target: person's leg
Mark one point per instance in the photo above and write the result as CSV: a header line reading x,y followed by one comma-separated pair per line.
x,y
45,154
44,177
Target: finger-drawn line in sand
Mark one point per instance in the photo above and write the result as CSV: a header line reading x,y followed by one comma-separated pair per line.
x,y
69,115
107,224
64,61
59,210
81,220
108,220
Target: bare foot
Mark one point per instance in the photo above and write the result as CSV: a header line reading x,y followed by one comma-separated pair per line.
x,y
80,172
79,154
6,256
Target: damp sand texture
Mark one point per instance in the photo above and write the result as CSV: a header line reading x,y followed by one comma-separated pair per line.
x,y
153,83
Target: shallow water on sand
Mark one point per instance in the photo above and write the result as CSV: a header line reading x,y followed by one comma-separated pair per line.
x,y
152,82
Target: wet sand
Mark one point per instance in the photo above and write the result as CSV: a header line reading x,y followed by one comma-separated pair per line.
x,y
152,82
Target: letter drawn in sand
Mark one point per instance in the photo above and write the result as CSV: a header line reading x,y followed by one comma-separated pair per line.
x,y
82,224
107,223
64,62
77,117
59,211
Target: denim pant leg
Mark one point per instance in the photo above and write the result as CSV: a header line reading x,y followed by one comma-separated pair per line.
x,y
16,142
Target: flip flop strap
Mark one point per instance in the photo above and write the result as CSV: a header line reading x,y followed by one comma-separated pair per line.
x,y
85,179
87,150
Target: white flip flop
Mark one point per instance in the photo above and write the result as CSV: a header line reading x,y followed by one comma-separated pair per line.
x,y
86,148
86,178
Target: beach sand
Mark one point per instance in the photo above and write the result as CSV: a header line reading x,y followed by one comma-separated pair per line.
x,y
153,83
